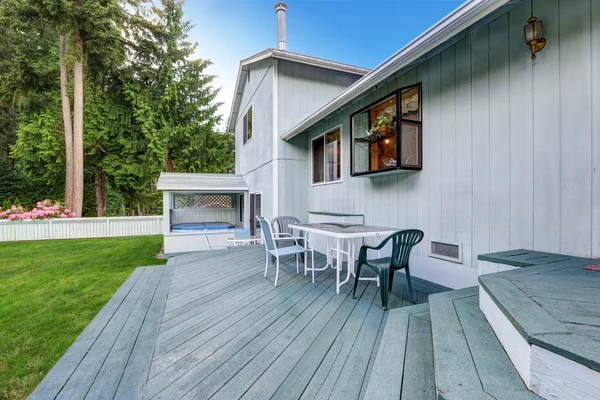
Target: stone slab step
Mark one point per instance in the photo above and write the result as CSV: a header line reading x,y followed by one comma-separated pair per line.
x,y
403,367
470,363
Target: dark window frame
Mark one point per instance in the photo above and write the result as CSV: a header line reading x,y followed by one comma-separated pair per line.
x,y
399,121
323,137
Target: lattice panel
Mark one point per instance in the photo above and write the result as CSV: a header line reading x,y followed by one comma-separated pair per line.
x,y
203,201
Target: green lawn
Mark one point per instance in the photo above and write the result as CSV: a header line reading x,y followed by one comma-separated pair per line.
x,y
49,292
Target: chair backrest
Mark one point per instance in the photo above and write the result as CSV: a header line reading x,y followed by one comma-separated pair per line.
x,y
266,233
402,244
282,224
241,233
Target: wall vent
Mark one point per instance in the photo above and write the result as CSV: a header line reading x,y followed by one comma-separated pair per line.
x,y
449,251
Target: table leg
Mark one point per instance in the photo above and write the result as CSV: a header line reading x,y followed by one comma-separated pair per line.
x,y
351,255
329,250
338,267
306,256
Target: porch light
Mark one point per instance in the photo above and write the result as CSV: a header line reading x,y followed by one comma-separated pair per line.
x,y
533,35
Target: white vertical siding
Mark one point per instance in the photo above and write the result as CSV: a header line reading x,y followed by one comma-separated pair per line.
x,y
520,132
595,17
547,136
480,120
464,142
302,90
79,228
499,133
254,159
575,125
511,146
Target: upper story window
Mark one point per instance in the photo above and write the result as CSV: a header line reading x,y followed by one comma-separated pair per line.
x,y
387,135
327,157
248,125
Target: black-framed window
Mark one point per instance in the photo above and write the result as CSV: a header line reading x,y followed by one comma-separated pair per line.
x,y
327,157
248,125
387,134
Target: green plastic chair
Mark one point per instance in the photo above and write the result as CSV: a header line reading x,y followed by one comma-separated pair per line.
x,y
402,244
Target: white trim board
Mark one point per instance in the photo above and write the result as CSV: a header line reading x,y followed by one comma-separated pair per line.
x,y
556,377
517,348
547,374
275,149
487,267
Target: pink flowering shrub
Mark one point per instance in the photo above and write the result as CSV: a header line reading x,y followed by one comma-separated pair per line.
x,y
43,210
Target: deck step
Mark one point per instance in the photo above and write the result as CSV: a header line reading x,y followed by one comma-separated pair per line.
x,y
470,362
403,367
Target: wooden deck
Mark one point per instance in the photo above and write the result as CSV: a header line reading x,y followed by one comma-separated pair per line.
x,y
223,331
552,302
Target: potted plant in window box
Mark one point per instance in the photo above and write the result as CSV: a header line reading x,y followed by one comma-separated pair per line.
x,y
383,124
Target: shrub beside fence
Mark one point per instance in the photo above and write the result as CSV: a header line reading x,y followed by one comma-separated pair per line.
x,y
80,228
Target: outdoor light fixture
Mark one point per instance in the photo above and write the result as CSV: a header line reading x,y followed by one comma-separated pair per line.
x,y
533,35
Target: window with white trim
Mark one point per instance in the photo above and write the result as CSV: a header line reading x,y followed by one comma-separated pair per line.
x,y
248,125
327,157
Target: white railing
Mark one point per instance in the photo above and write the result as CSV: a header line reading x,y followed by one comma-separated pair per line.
x,y
80,228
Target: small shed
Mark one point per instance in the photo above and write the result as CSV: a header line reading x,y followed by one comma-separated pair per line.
x,y
201,208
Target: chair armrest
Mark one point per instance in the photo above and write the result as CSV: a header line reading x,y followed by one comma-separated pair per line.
x,y
283,234
378,247
296,238
306,241
218,244
362,254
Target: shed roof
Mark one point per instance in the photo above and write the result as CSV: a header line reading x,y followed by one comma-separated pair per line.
x,y
185,182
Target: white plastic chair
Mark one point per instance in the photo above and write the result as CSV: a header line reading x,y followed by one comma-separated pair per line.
x,y
216,245
271,248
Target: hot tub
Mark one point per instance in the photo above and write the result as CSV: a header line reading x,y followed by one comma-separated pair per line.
x,y
202,226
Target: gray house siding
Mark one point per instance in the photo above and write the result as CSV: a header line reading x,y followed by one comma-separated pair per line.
x,y
302,89
511,147
258,93
254,159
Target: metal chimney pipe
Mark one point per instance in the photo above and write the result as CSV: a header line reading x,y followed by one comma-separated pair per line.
x,y
280,10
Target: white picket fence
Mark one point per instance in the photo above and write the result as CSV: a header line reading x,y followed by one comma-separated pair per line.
x,y
80,228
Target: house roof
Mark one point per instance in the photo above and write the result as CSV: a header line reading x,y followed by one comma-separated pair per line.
x,y
281,55
464,17
184,182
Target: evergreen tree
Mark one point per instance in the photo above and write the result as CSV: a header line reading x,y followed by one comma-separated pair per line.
x,y
172,97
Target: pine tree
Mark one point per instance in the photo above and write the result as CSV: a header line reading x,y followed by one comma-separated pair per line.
x,y
172,96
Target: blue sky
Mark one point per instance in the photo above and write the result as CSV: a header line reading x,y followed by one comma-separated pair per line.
x,y
362,33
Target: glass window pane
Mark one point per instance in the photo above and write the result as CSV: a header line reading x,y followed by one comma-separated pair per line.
x,y
409,150
360,137
383,152
249,123
333,156
411,109
383,115
318,160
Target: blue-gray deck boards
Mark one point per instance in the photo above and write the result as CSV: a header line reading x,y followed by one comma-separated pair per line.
x,y
553,304
111,357
228,333
403,368
209,325
470,362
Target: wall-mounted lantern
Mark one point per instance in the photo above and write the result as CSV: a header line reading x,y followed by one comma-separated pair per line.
x,y
533,35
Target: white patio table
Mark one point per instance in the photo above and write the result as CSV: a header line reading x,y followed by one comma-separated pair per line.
x,y
244,241
342,234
